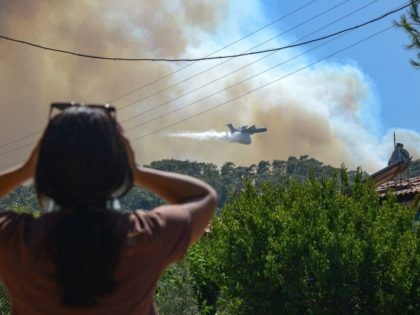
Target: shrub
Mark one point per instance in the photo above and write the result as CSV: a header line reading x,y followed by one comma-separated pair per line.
x,y
317,247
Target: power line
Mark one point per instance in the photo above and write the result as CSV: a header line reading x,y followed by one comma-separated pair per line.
x,y
246,93
215,93
214,52
227,88
20,138
260,87
195,89
243,67
290,29
207,58
178,70
203,86
227,60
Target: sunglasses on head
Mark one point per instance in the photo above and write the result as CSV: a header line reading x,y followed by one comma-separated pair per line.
x,y
57,108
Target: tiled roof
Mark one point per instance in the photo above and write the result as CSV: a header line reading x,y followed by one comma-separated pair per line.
x,y
400,186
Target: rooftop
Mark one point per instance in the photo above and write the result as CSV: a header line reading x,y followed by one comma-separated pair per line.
x,y
401,187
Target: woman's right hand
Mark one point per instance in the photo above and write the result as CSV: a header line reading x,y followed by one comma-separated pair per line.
x,y
11,179
130,156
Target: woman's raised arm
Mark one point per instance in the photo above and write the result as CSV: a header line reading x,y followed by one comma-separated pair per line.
x,y
11,179
189,193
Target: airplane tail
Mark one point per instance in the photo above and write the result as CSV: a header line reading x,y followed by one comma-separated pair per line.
x,y
232,129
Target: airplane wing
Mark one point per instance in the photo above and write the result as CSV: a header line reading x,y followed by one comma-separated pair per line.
x,y
254,129
250,129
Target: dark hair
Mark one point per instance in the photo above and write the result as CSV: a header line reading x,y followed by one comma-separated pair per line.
x,y
83,164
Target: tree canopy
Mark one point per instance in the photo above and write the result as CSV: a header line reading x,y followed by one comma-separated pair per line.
x,y
410,22
309,248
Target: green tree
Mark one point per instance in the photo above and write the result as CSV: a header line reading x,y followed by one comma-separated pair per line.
x,y
22,196
312,248
228,181
175,293
263,173
5,307
138,198
411,24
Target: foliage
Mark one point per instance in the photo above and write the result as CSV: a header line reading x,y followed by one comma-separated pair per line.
x,y
228,180
206,289
174,293
5,306
23,197
138,198
414,168
411,24
309,248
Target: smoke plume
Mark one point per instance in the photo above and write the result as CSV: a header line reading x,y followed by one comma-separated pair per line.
x,y
328,111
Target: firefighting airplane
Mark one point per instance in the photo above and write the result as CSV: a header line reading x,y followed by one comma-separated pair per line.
x,y
243,133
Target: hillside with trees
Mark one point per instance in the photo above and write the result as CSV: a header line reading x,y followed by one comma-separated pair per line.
x,y
228,180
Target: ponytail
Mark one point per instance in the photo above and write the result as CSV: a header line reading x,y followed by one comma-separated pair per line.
x,y
86,246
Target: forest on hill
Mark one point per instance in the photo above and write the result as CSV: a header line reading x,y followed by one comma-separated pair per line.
x,y
228,180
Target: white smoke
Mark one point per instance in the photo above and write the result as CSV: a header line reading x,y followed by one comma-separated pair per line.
x,y
210,135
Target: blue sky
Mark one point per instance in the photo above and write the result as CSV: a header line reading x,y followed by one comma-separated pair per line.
x,y
383,59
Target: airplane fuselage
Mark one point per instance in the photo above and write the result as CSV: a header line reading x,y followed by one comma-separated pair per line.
x,y
240,137
243,134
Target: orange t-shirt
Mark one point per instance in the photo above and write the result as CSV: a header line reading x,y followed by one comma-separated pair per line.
x,y
156,239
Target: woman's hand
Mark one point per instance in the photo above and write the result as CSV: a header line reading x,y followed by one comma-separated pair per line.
x,y
184,193
29,167
130,156
11,179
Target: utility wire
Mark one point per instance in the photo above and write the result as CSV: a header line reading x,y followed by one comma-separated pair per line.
x,y
178,70
227,60
18,139
21,147
261,87
214,52
195,89
179,82
243,94
219,91
207,58
227,88
245,66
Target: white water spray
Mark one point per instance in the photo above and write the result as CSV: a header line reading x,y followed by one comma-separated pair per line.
x,y
213,135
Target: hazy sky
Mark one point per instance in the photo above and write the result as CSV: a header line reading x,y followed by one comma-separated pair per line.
x,y
340,109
